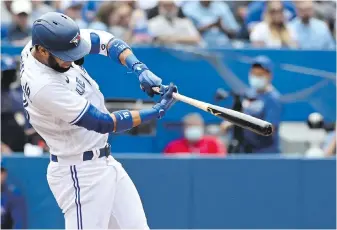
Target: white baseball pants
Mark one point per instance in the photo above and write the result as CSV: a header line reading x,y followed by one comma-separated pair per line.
x,y
96,194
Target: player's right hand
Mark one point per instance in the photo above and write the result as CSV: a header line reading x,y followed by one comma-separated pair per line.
x,y
166,101
148,80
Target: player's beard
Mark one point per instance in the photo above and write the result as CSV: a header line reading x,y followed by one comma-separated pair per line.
x,y
52,63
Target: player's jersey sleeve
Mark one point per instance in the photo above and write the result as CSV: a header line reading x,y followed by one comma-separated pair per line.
x,y
62,103
98,40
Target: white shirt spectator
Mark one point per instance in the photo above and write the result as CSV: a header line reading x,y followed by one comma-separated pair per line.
x,y
202,16
159,26
261,33
314,35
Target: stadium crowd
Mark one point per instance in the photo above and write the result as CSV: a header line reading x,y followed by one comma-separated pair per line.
x,y
270,24
291,24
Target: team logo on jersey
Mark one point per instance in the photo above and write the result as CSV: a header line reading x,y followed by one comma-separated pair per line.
x,y
76,39
80,86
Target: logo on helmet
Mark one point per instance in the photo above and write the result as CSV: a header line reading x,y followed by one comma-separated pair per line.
x,y
76,39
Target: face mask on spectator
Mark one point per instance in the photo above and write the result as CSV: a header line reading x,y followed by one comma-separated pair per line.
x,y
193,133
257,82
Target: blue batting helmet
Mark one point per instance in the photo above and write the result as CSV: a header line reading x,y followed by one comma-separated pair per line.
x,y
60,35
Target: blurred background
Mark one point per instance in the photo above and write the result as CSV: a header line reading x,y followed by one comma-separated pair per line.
x,y
275,60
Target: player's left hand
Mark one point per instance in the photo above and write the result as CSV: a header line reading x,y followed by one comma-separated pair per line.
x,y
166,101
148,80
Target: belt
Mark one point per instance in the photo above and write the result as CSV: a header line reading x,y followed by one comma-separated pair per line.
x,y
89,155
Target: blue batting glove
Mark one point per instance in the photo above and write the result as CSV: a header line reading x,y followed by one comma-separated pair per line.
x,y
147,79
166,101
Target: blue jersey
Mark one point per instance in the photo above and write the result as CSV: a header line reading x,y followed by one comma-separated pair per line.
x,y
13,208
265,106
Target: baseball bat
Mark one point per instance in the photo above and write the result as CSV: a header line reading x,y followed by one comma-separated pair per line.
x,y
240,119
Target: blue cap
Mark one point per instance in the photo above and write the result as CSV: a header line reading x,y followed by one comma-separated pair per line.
x,y
60,35
264,62
7,63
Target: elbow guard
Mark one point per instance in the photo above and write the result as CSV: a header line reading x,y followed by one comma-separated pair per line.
x,y
95,120
115,48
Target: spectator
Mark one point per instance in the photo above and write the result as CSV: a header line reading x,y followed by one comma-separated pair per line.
x,y
194,140
13,206
39,8
240,10
6,12
12,115
326,11
312,33
139,27
214,20
102,20
19,31
264,103
73,8
168,28
154,11
120,20
90,9
274,31
256,11
6,19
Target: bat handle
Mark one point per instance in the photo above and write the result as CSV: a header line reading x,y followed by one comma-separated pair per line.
x,y
156,89
174,95
187,100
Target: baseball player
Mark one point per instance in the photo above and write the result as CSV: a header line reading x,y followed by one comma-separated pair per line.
x,y
65,106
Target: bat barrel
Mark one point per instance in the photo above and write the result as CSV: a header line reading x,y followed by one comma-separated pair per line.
x,y
240,119
243,120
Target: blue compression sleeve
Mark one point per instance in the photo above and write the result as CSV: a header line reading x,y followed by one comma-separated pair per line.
x,y
148,115
95,120
135,65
